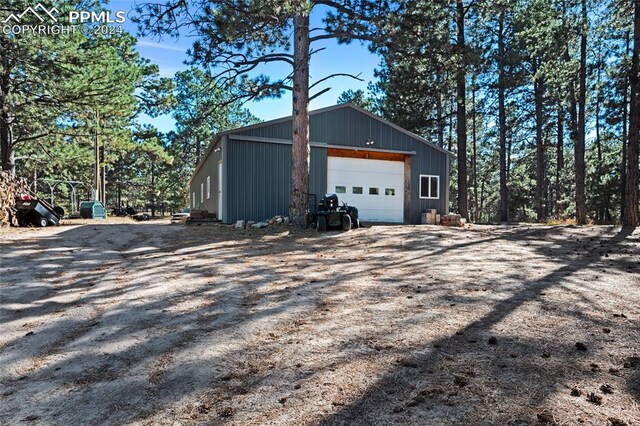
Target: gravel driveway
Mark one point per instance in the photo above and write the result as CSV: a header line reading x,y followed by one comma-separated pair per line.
x,y
151,323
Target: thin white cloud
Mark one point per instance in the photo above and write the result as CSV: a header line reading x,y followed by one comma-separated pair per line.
x,y
153,44
169,71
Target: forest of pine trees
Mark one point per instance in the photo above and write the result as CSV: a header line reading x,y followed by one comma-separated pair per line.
x,y
535,97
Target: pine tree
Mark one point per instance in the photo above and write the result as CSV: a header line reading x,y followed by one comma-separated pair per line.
x,y
198,114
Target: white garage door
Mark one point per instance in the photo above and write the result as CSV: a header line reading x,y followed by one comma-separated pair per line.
x,y
375,187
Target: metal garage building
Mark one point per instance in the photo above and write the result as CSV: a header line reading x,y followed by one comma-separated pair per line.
x,y
388,173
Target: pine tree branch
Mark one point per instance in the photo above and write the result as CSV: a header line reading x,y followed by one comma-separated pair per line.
x,y
355,77
322,92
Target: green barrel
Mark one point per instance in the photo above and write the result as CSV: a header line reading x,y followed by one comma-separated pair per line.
x,y
92,210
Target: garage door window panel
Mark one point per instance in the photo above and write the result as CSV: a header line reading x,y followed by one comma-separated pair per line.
x,y
374,191
341,189
357,190
390,191
429,187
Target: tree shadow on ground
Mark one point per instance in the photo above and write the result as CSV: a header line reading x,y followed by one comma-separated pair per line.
x,y
410,384
133,349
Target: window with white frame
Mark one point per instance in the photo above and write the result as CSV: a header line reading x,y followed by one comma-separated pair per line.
x,y
429,186
193,200
202,192
208,187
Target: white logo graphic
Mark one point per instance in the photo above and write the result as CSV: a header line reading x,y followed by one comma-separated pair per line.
x,y
33,11
97,22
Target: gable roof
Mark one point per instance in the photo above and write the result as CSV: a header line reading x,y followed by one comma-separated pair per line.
x,y
351,105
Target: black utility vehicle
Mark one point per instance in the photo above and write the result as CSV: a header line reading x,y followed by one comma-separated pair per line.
x,y
328,214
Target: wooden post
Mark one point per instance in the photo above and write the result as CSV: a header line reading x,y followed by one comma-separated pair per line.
x,y
407,189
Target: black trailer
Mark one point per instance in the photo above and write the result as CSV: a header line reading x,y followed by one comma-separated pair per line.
x,y
32,210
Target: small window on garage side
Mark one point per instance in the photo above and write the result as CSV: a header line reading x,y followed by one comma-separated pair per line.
x,y
357,190
390,191
208,187
341,189
202,192
374,191
193,202
429,186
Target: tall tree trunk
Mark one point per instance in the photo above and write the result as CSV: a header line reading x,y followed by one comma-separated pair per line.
x,y
96,161
598,139
475,156
300,148
461,115
153,189
599,65
502,122
540,179
623,165
440,114
581,209
600,203
440,108
559,161
630,218
509,137
481,201
118,187
548,196
6,144
573,114
7,156
450,134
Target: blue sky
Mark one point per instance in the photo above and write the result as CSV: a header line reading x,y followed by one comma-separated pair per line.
x,y
169,54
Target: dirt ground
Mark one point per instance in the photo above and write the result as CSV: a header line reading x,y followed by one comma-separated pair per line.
x,y
151,323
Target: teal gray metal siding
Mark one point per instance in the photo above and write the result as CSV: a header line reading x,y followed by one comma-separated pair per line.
x,y
344,126
429,161
352,128
318,172
259,179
